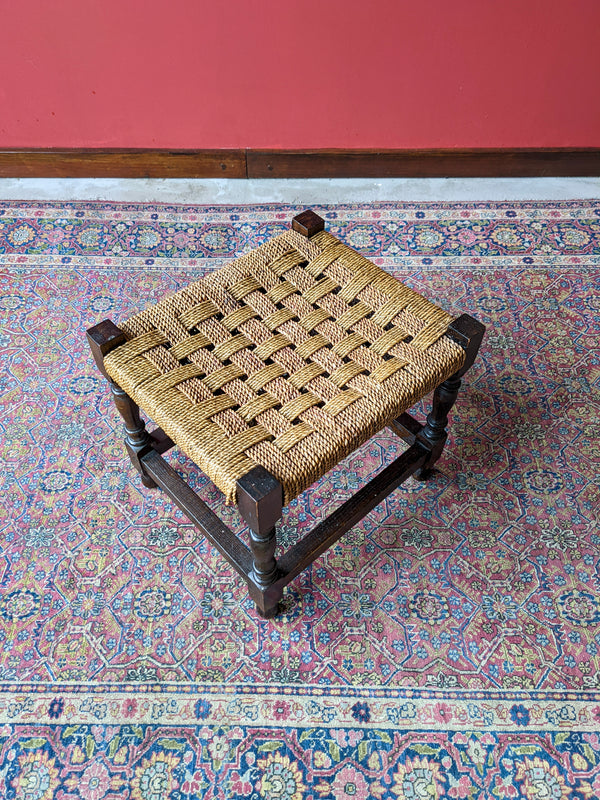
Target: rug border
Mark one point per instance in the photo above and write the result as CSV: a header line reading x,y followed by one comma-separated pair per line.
x,y
385,205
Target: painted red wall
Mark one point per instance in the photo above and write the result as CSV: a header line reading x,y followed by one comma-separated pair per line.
x,y
304,74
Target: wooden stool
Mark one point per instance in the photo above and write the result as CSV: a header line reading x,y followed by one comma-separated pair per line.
x,y
270,371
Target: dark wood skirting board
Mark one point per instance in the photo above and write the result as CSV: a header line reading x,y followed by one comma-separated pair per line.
x,y
122,164
423,163
449,163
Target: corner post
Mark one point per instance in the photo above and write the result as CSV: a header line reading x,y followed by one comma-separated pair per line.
x,y
308,223
260,502
468,333
102,339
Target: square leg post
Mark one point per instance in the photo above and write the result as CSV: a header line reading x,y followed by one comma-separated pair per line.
x,y
308,223
103,338
260,502
468,333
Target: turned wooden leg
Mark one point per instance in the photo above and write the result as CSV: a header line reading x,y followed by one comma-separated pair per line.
x,y
137,440
434,433
468,333
260,502
103,338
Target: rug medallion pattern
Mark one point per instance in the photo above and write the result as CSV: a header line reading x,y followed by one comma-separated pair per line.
x,y
447,646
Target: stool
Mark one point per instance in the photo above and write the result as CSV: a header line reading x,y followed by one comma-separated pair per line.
x,y
271,370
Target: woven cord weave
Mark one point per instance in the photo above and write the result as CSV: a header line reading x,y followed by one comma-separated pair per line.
x,y
289,357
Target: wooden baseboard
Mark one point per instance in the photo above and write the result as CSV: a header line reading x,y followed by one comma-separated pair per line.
x,y
472,163
423,163
122,164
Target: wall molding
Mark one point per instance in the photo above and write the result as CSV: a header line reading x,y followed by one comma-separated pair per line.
x,y
325,163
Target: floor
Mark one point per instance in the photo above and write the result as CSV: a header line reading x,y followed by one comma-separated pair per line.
x,y
217,191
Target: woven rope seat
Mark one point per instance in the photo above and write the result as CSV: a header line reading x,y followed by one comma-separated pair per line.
x,y
271,370
290,357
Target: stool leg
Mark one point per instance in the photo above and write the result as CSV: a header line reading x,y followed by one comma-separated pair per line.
x,y
468,333
260,502
434,433
103,338
137,440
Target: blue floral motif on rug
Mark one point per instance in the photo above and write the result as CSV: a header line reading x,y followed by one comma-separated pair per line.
x,y
447,646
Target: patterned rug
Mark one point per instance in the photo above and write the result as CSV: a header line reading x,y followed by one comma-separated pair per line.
x,y
447,647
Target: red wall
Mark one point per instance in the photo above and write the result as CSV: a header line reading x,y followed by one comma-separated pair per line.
x,y
303,74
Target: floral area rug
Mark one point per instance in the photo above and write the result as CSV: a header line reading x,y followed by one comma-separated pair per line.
x,y
448,646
